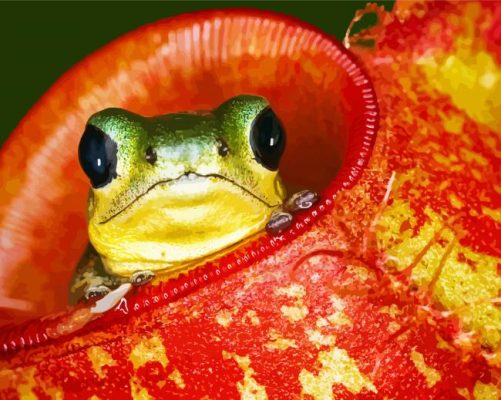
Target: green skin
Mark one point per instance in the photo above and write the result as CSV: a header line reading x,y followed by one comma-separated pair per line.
x,y
183,142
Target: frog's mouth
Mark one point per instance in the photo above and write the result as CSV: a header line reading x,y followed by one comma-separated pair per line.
x,y
188,176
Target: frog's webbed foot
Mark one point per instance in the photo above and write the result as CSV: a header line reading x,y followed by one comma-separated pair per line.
x,y
94,292
281,219
141,277
302,200
91,280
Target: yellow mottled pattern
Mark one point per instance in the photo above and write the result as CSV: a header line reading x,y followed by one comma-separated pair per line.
x,y
393,327
318,339
137,391
431,374
252,317
176,377
476,78
294,290
484,391
278,342
294,313
494,214
26,386
392,310
99,358
151,349
442,344
339,318
24,380
464,392
337,367
337,302
470,292
224,318
249,388
297,310
458,287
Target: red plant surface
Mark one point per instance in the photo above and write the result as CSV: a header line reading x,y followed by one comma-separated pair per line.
x,y
392,291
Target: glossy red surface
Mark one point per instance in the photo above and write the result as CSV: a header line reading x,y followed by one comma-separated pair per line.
x,y
391,292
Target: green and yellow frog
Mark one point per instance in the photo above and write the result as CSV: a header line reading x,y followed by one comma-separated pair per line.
x,y
172,190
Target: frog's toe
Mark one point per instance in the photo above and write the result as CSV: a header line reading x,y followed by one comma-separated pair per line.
x,y
94,292
279,221
301,201
141,277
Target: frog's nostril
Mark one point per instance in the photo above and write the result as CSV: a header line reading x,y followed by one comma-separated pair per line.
x,y
222,148
151,155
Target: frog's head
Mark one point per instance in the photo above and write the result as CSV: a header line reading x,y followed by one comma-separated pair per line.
x,y
169,190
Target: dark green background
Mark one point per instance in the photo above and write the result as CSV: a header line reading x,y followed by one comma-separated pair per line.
x,y
41,40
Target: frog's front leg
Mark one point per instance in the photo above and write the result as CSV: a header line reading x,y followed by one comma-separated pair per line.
x,y
281,219
91,279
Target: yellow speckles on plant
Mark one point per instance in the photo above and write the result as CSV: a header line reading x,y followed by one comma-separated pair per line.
x,y
449,160
472,80
452,123
294,290
278,342
477,175
224,318
176,377
339,318
472,157
442,344
294,313
407,88
360,272
319,339
337,302
251,316
484,391
147,350
395,234
336,367
248,388
25,381
426,267
455,201
393,327
297,311
495,214
462,281
469,292
488,80
431,375
464,392
392,310
137,391
27,384
100,358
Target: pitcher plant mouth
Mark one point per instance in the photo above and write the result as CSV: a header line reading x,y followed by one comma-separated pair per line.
x,y
322,93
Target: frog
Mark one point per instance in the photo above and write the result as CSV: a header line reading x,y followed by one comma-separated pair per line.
x,y
172,190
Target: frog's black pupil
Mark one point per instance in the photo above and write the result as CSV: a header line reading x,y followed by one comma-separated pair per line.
x,y
267,139
97,153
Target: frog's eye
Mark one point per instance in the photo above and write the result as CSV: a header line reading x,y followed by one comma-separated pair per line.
x,y
97,153
267,139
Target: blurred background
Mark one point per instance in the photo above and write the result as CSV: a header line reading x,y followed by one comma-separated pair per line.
x,y
41,40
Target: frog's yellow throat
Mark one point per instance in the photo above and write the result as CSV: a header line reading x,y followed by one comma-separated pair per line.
x,y
177,222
